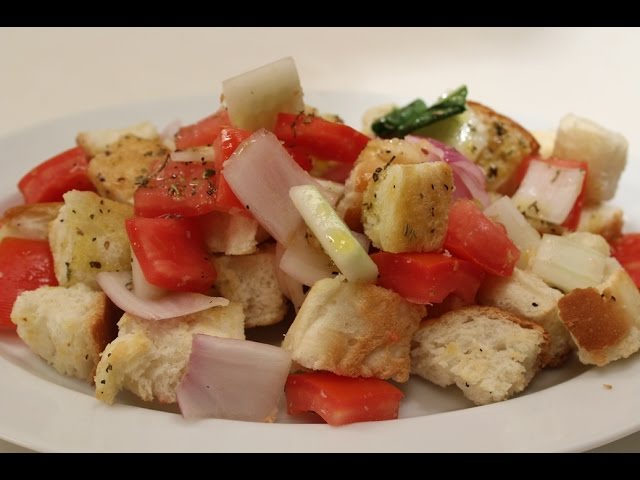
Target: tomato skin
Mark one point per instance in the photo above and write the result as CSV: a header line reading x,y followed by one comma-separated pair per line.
x,y
573,219
319,137
171,253
626,250
52,178
24,265
203,132
472,236
181,188
342,400
427,277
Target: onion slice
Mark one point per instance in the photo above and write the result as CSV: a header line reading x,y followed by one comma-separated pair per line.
x,y
289,287
196,154
174,304
468,178
261,172
233,379
304,262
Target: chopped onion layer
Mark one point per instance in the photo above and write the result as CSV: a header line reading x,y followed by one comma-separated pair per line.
x,y
290,288
305,263
174,304
261,173
233,379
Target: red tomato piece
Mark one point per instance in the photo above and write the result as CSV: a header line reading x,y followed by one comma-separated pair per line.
x,y
203,132
171,253
300,156
428,277
24,265
51,179
627,250
342,400
225,144
320,138
473,237
573,219
179,188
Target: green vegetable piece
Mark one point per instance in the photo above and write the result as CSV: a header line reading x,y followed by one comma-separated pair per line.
x,y
417,115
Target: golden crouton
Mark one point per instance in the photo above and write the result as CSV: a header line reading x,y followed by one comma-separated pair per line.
x,y
88,237
117,171
406,207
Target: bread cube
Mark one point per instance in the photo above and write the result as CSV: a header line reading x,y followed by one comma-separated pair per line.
x,y
117,171
605,152
149,357
67,327
29,221
405,208
251,281
87,237
488,353
354,330
96,141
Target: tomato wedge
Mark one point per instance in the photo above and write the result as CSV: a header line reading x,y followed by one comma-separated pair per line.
x,y
472,236
187,189
171,253
51,179
203,132
428,277
24,265
573,219
627,250
342,400
320,138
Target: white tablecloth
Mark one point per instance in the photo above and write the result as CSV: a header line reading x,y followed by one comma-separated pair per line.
x,y
546,72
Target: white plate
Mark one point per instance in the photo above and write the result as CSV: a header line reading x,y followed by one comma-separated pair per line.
x,y
564,410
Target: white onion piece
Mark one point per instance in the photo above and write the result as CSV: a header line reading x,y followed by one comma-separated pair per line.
x,y
255,98
290,288
261,172
567,264
174,304
337,189
469,179
233,379
548,192
306,263
333,234
141,287
197,154
519,230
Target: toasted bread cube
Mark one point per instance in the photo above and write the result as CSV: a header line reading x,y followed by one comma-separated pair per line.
x,y
251,281
406,207
68,327
87,237
96,141
117,171
525,295
149,357
605,152
376,154
232,234
604,321
29,221
354,330
546,139
488,353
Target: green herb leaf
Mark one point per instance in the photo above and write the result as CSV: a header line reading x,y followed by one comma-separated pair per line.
x,y
416,115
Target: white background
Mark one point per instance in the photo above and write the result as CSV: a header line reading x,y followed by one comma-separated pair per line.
x,y
546,72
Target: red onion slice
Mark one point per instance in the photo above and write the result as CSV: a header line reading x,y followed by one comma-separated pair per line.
x,y
261,172
197,154
233,379
468,178
174,304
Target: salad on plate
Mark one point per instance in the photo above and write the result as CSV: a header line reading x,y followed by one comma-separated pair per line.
x,y
441,240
